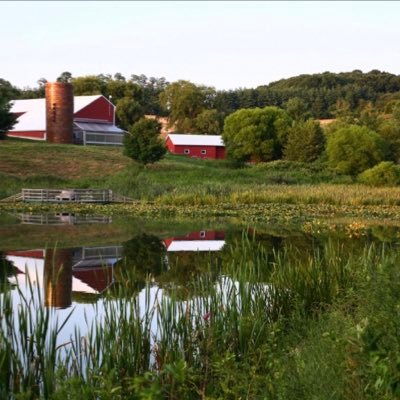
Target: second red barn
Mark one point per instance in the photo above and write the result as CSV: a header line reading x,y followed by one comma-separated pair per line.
x,y
201,146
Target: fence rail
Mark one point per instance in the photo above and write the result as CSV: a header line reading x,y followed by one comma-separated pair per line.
x,y
63,219
68,195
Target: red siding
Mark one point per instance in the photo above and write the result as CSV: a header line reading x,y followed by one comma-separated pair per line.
x,y
198,235
27,253
99,278
37,135
100,109
220,152
170,145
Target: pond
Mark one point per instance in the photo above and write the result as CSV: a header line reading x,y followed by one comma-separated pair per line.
x,y
76,260
92,274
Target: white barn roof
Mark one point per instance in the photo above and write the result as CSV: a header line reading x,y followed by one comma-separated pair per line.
x,y
196,140
196,245
34,117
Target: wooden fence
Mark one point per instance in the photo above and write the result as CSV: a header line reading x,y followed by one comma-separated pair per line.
x,y
67,195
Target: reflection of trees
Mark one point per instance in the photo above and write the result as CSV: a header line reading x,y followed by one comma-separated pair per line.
x,y
185,268
7,270
144,258
249,254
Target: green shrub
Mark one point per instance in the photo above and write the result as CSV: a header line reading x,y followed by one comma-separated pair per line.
x,y
143,143
385,173
354,149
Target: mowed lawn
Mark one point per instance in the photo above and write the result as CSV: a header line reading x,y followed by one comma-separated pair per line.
x,y
24,159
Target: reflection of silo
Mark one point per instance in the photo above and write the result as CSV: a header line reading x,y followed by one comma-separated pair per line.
x,y
58,278
59,112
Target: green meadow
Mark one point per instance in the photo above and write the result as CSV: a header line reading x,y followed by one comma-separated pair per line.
x,y
178,180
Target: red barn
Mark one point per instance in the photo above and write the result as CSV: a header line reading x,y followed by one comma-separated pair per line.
x,y
201,146
94,120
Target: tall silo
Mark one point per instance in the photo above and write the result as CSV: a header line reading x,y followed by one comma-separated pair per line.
x,y
59,112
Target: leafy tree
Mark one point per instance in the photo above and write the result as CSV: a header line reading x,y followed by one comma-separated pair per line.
x,y
385,173
396,111
337,124
128,111
256,134
88,85
370,117
342,109
42,87
305,141
143,142
185,101
7,119
390,131
209,122
297,109
65,77
119,77
354,149
7,91
152,88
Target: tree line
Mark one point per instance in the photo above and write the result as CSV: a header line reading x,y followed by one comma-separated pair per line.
x,y
202,109
272,122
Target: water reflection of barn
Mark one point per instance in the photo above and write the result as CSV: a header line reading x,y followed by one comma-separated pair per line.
x,y
66,273
196,241
191,252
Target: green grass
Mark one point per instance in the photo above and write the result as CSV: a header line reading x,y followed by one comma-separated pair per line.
x,y
184,186
47,165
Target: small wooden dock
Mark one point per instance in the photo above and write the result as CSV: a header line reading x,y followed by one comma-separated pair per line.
x,y
99,196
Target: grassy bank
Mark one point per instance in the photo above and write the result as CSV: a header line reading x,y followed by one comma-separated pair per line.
x,y
179,180
47,165
266,326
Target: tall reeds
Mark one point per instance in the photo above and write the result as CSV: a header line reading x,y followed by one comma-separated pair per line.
x,y
166,347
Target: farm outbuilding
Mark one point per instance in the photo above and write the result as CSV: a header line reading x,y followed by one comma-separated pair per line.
x,y
201,146
93,120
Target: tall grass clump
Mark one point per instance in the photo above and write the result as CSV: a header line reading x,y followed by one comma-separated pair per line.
x,y
28,343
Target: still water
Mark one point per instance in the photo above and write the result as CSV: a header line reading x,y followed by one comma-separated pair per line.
x,y
73,261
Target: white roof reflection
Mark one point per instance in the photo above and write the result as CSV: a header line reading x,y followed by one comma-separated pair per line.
x,y
196,245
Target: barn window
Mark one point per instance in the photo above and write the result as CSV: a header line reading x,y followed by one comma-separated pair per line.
x,y
204,152
186,151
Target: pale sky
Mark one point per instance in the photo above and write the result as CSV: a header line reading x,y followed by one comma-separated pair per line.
x,y
222,44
